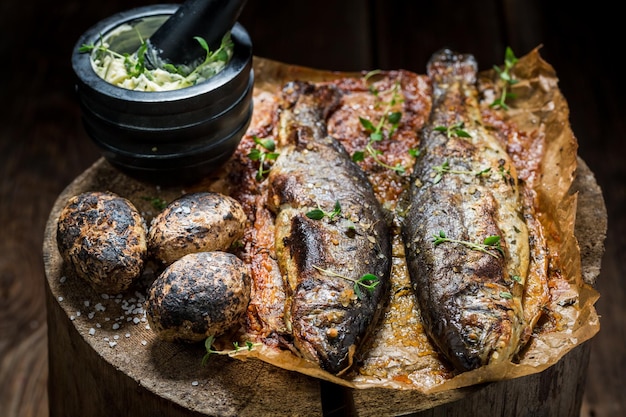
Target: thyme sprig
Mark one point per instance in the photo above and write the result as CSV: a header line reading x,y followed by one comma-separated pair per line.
x,y
208,344
490,245
506,294
390,121
156,202
367,281
444,168
319,213
506,77
263,152
455,130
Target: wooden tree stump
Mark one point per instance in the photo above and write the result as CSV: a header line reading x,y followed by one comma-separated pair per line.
x,y
105,361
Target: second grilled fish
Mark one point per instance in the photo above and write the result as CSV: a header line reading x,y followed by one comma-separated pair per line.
x,y
322,257
467,244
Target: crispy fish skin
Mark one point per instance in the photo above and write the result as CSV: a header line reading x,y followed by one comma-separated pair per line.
x,y
470,300
329,316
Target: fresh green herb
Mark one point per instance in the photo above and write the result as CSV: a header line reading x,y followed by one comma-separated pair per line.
x,y
208,344
491,244
156,202
444,168
516,278
319,214
367,281
263,152
389,122
221,54
506,174
414,152
455,130
506,294
507,79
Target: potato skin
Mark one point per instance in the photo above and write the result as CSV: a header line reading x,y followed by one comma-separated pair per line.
x,y
202,294
102,238
196,222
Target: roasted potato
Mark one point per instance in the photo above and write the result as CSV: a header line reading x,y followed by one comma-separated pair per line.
x,y
202,294
196,222
102,238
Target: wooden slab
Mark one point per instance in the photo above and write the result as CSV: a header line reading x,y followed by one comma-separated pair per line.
x,y
105,361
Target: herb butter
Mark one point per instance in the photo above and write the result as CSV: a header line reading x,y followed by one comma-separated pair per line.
x,y
130,72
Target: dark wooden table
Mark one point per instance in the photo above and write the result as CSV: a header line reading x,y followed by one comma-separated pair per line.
x,y
43,146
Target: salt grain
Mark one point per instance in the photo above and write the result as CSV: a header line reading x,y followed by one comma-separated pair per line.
x,y
60,299
194,383
92,331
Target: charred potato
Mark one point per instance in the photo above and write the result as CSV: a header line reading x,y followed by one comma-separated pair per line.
x,y
102,238
197,222
202,294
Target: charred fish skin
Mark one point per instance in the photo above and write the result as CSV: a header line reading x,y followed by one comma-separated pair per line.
x,y
463,191
328,312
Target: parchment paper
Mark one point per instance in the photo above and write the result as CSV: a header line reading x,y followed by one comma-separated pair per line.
x,y
540,115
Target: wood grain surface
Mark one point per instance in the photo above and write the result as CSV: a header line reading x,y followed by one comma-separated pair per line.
x,y
43,146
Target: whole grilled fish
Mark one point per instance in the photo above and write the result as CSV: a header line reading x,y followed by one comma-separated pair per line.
x,y
467,243
331,232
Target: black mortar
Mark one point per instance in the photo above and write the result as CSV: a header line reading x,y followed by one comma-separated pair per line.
x,y
164,137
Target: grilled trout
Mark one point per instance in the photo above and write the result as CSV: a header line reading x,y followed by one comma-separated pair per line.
x,y
467,244
332,237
